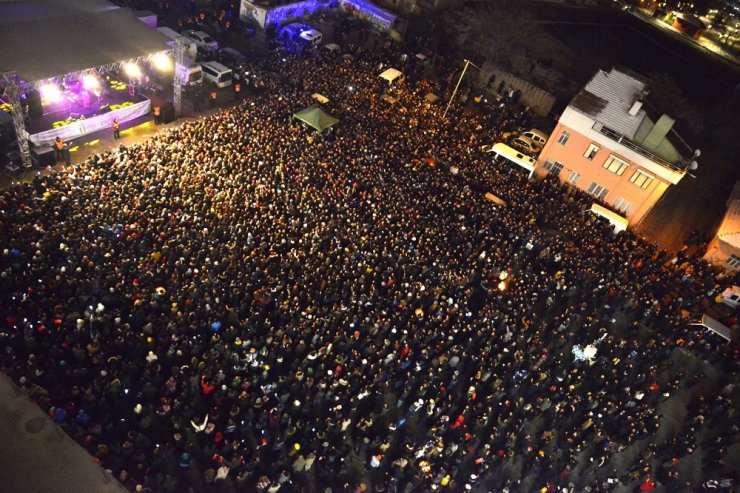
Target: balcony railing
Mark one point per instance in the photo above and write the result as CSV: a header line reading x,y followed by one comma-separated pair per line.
x,y
621,139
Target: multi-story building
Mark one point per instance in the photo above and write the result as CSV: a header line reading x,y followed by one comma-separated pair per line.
x,y
606,144
724,249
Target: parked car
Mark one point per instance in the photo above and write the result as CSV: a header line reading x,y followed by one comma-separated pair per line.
x,y
190,73
538,136
331,49
217,74
525,144
191,48
204,41
231,57
297,36
311,37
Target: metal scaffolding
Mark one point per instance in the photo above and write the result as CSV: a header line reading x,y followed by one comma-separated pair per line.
x,y
10,81
180,47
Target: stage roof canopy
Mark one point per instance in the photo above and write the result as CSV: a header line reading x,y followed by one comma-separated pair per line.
x,y
49,38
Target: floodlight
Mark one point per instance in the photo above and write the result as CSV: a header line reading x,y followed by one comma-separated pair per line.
x,y
162,62
90,82
51,92
132,70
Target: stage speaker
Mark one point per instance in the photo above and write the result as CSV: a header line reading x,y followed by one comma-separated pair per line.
x,y
168,113
42,156
35,111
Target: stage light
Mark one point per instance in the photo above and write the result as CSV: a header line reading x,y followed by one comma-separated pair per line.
x,y
162,62
51,93
132,70
502,286
90,82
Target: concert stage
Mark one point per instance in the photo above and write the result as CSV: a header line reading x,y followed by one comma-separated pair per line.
x,y
77,111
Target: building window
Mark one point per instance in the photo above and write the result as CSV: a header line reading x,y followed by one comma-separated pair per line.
x,y
642,180
615,165
591,151
733,261
622,205
573,178
597,190
563,138
554,167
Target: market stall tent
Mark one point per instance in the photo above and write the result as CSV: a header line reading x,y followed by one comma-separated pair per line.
x,y
316,118
392,75
714,326
320,98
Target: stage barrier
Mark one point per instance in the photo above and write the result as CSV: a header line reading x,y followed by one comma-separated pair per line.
x,y
90,125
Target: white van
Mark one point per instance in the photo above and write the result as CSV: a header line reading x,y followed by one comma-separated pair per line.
x,y
311,37
190,73
217,73
191,50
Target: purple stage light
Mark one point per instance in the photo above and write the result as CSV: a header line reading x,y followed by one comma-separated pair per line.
x,y
51,92
285,13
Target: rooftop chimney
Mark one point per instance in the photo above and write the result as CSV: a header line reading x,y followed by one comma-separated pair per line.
x,y
659,131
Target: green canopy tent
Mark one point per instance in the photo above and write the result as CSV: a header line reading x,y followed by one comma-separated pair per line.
x,y
316,118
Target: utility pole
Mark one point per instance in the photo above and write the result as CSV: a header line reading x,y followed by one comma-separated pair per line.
x,y
467,62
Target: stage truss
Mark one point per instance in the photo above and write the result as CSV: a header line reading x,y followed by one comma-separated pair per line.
x,y
15,85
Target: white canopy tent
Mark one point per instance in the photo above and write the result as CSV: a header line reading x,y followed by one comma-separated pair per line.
x,y
320,98
715,326
392,75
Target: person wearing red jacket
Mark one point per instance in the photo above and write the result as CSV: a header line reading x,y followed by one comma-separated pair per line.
x,y
206,387
647,485
458,422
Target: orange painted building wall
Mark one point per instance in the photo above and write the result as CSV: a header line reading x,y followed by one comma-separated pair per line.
x,y
571,156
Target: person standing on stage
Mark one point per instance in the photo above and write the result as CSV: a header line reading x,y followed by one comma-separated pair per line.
x,y
237,91
59,148
116,129
214,94
157,114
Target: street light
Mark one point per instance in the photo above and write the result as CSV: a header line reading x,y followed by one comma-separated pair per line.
x,y
467,62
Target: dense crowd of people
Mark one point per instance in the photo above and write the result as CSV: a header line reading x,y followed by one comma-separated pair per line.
x,y
239,304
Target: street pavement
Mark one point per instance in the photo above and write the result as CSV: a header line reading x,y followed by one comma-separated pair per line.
x,y
38,457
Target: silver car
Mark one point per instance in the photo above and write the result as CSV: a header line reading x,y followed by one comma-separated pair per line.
x,y
203,40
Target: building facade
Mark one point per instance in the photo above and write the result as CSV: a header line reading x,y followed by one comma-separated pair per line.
x,y
724,249
606,144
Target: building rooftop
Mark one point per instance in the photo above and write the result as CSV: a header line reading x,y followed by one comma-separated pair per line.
x,y
608,97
